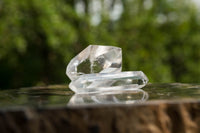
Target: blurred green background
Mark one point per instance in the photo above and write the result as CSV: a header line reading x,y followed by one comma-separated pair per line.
x,y
39,37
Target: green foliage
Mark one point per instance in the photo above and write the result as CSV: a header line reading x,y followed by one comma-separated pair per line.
x,y
38,39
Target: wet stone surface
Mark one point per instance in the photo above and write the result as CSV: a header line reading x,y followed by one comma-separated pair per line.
x,y
60,95
158,108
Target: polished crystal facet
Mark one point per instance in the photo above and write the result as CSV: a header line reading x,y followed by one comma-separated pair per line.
x,y
102,82
114,97
95,59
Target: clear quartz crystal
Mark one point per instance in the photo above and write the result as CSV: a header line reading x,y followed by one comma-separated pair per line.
x,y
95,59
102,82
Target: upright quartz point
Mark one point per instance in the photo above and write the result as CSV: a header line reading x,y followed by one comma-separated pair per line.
x,y
102,82
95,59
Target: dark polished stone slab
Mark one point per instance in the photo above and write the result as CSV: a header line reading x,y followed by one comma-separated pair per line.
x,y
170,108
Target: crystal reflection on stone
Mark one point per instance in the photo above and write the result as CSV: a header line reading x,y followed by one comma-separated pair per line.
x,y
114,97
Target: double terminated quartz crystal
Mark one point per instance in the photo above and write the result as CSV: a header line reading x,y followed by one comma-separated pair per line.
x,y
98,69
